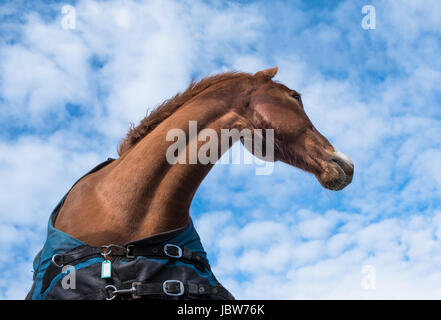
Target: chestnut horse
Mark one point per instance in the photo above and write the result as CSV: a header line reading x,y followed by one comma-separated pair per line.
x,y
141,194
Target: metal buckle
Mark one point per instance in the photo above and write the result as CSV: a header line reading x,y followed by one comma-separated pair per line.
x,y
113,292
178,255
181,288
134,285
53,260
131,291
105,251
112,249
128,255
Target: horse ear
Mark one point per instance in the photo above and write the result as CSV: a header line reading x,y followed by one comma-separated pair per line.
x,y
267,73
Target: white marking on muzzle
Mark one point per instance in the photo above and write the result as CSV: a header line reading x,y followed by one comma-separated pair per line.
x,y
344,157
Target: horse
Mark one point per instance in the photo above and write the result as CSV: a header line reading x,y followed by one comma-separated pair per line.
x,y
140,195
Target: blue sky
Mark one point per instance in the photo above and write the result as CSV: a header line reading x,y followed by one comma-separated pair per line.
x,y
67,97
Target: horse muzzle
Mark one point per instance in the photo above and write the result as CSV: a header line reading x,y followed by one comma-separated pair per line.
x,y
339,172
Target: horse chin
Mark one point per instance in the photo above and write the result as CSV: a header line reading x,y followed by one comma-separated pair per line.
x,y
334,184
335,177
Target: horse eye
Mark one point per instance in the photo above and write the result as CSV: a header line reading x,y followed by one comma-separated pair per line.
x,y
297,97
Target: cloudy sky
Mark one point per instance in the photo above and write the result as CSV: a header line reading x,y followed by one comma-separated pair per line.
x,y
67,97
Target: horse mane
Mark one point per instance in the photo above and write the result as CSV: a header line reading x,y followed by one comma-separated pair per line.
x,y
168,107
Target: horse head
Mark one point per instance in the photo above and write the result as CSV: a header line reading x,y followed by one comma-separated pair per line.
x,y
297,142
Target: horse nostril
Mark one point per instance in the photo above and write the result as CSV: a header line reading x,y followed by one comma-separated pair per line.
x,y
342,157
347,167
336,160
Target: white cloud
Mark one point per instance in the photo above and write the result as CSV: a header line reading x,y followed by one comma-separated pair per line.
x,y
283,268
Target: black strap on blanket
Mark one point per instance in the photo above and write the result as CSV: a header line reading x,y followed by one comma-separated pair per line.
x,y
168,251
172,288
131,251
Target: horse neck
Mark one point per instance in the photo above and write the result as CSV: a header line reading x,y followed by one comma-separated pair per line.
x,y
152,195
